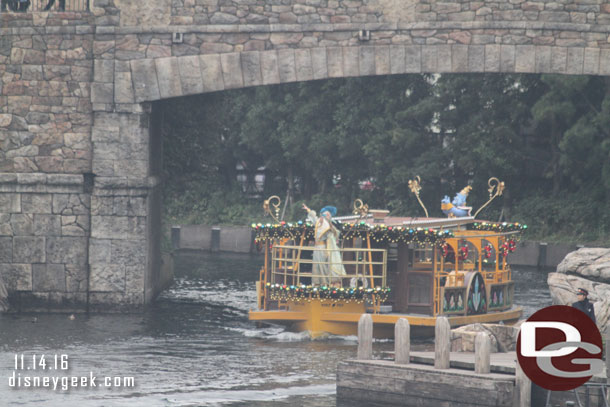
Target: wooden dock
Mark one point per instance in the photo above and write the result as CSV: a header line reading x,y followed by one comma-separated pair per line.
x,y
447,379
384,383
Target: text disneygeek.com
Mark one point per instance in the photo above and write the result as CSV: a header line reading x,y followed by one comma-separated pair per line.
x,y
28,372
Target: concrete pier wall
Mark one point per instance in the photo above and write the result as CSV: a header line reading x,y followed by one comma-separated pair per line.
x,y
238,239
540,254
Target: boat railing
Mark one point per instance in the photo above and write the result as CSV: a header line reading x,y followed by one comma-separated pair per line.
x,y
294,265
456,278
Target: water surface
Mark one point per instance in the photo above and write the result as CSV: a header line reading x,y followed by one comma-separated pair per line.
x,y
193,347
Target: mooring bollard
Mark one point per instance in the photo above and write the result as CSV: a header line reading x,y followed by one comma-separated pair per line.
x,y
402,341
523,388
442,343
365,337
215,243
482,350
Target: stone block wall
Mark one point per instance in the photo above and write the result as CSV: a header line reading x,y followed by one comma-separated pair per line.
x,y
44,228
45,124
196,42
75,192
45,106
381,11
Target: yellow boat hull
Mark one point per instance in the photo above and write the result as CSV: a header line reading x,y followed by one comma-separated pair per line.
x,y
323,317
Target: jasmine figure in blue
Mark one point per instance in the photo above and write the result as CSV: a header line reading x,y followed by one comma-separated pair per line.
x,y
327,262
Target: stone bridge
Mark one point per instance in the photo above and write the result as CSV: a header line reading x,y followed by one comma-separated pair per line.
x,y
80,139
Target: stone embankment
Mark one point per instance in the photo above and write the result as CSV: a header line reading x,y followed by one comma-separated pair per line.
x,y
503,338
587,268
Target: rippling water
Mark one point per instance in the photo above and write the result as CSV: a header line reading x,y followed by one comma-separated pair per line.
x,y
193,347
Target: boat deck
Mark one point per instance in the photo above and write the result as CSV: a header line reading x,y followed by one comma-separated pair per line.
x,y
508,316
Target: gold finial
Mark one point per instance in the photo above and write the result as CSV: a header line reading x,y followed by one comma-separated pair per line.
x,y
360,208
276,207
415,187
496,185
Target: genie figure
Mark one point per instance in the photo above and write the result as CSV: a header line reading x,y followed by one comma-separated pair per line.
x,y
457,208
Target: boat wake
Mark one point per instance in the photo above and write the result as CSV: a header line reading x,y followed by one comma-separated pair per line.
x,y
240,297
280,334
255,397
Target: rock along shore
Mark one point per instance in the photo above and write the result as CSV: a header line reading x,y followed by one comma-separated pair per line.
x,y
587,268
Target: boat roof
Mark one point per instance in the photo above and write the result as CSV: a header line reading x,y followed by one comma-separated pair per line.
x,y
389,228
410,222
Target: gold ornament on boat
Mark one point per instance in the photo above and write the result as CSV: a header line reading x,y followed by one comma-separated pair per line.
x,y
271,202
360,208
496,188
415,187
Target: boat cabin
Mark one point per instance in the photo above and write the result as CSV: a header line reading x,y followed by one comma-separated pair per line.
x,y
418,268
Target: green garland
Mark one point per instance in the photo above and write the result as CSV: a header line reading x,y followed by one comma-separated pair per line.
x,y
498,227
278,292
282,230
379,233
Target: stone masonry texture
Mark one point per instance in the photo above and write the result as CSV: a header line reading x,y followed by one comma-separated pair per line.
x,y
78,185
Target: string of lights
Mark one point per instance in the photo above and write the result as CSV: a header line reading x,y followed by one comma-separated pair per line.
x,y
300,293
498,227
377,233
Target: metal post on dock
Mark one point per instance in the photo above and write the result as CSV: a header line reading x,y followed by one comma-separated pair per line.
x,y
365,337
442,343
523,388
402,341
482,350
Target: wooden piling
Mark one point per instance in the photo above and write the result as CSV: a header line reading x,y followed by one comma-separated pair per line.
x,y
523,387
365,337
442,343
402,341
482,350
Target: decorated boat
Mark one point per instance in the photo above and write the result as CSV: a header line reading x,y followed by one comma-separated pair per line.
x,y
418,268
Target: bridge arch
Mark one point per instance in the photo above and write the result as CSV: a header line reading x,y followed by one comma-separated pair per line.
x,y
161,78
